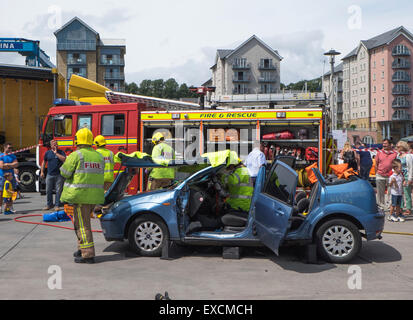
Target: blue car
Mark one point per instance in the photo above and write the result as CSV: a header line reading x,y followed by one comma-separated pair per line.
x,y
335,216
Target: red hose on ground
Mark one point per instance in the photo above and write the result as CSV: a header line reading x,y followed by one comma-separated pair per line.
x,y
46,224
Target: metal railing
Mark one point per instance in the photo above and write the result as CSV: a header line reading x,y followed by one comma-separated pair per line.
x,y
112,62
404,64
245,78
401,77
78,61
267,79
401,116
402,90
241,65
114,76
264,66
401,104
77,45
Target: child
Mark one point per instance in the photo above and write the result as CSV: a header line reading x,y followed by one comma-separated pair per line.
x,y
396,190
8,193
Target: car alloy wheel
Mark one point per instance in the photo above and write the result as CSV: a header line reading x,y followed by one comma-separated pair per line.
x,y
338,241
148,236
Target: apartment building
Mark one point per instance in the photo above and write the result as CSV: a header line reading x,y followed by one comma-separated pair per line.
x,y
81,51
377,87
251,68
335,93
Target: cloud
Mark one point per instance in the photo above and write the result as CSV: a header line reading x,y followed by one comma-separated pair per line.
x,y
302,53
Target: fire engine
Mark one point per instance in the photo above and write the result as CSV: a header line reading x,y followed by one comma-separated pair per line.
x,y
128,123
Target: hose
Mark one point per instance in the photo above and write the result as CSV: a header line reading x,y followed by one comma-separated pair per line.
x,y
399,233
46,224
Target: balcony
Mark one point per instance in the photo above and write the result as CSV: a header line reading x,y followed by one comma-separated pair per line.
x,y
244,78
113,62
76,61
242,91
402,90
241,66
401,103
401,115
266,66
401,64
267,91
81,74
401,76
77,45
114,76
400,50
267,79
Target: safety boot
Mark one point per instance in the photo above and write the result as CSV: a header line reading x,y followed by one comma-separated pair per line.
x,y
84,260
77,254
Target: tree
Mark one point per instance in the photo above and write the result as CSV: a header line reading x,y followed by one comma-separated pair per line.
x,y
145,88
171,89
158,87
131,88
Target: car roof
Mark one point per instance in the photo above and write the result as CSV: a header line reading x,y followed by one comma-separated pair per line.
x,y
147,162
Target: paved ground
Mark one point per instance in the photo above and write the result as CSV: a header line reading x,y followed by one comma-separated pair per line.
x,y
27,252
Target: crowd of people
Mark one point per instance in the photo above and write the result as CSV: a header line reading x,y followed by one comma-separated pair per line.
x,y
393,170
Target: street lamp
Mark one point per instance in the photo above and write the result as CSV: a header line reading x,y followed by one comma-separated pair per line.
x,y
333,108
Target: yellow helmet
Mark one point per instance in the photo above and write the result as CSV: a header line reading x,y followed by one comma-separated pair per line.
x,y
100,141
157,137
84,136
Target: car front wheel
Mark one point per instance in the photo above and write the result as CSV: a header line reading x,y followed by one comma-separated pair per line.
x,y
147,235
338,241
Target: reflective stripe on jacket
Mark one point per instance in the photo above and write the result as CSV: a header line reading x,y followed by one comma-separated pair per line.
x,y
109,163
161,154
240,188
84,174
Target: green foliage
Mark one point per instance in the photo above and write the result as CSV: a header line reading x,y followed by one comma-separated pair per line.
x,y
312,85
169,89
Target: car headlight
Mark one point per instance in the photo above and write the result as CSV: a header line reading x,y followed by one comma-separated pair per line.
x,y
116,205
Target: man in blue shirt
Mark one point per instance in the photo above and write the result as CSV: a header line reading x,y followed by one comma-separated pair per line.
x,y
8,163
54,159
365,161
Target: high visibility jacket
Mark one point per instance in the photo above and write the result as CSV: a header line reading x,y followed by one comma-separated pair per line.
x,y
109,163
84,174
240,188
161,154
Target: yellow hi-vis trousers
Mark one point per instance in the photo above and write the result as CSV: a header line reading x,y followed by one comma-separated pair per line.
x,y
83,229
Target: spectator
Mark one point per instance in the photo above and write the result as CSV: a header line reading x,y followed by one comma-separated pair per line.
x,y
255,160
349,156
8,193
383,171
8,163
396,191
54,159
365,162
406,161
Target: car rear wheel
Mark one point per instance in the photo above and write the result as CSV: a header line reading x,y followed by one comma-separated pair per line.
x,y
147,235
338,241
27,177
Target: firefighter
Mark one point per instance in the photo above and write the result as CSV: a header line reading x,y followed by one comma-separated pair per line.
x,y
100,142
161,153
83,188
239,185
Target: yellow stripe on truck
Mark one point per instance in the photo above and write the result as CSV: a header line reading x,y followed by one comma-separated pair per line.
x,y
236,115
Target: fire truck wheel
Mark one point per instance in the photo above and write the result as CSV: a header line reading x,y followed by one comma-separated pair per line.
x,y
147,235
27,178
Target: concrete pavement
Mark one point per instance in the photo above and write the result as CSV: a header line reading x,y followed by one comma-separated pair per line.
x,y
28,251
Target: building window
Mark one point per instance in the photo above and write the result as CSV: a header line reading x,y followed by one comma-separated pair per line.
x,y
113,125
374,101
382,74
76,58
382,113
84,121
401,50
374,76
78,71
382,62
382,87
382,100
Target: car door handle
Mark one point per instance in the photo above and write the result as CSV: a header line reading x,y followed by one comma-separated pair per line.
x,y
279,212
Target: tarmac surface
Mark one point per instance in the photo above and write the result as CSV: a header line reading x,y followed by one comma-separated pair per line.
x,y
28,254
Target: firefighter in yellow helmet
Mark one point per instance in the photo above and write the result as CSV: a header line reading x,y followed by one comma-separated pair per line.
x,y
239,184
83,189
161,153
108,157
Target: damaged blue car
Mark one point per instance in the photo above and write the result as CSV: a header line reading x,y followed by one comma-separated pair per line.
x,y
333,218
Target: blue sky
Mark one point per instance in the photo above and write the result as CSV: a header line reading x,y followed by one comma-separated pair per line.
x,y
179,38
